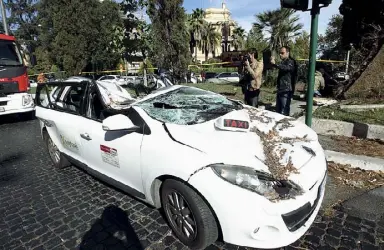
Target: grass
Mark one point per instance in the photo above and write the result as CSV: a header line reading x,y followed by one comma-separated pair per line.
x,y
374,116
362,101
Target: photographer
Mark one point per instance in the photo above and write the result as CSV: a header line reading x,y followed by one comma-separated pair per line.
x,y
251,81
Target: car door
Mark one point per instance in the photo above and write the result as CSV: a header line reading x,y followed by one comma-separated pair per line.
x,y
115,155
234,78
224,76
61,115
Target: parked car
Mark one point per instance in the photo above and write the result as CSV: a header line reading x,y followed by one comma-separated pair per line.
x,y
208,75
232,77
215,165
341,76
114,78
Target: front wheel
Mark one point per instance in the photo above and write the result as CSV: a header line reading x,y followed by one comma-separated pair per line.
x,y
189,216
58,159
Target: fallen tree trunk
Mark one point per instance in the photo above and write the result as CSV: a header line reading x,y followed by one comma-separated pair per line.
x,y
371,45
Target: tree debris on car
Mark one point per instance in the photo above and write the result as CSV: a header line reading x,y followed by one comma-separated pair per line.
x,y
272,142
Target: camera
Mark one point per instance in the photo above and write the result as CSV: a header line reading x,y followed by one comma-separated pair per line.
x,y
246,58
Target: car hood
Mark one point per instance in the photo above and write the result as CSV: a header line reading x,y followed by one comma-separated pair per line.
x,y
269,141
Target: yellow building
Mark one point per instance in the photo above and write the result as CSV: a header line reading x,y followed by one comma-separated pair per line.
x,y
217,17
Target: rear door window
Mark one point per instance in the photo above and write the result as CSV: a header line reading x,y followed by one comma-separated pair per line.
x,y
62,96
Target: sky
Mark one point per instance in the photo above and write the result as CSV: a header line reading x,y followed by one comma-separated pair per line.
x,y
243,11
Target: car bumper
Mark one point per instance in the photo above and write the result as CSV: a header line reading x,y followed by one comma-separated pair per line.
x,y
250,220
17,111
14,103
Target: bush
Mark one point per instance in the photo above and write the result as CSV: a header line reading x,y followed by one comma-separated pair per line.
x,y
270,78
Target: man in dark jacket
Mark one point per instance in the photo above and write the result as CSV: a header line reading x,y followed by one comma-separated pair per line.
x,y
285,81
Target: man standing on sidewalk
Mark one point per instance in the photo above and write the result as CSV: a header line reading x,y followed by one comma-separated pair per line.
x,y
285,81
252,76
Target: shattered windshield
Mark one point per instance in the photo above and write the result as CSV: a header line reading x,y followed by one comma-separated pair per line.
x,y
187,106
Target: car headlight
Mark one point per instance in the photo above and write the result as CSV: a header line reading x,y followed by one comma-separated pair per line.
x,y
27,100
259,182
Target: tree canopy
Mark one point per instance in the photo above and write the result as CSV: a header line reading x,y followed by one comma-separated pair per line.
x,y
170,49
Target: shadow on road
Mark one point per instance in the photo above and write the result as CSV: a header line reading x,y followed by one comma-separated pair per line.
x,y
16,118
8,173
112,231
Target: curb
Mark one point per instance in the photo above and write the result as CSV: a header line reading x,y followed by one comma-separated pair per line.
x,y
334,127
362,107
356,161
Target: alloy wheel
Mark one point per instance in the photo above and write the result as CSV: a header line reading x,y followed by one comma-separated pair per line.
x,y
180,216
53,151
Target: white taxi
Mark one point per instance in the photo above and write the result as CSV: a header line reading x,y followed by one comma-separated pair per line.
x,y
216,166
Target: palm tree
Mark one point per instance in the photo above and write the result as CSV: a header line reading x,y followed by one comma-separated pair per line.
x,y
195,24
238,38
210,40
281,25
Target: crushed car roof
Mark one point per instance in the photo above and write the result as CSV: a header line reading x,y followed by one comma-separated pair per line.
x,y
113,95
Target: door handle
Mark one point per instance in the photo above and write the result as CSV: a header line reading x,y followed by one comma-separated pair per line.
x,y
86,136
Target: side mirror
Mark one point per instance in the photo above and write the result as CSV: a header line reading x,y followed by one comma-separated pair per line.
x,y
118,123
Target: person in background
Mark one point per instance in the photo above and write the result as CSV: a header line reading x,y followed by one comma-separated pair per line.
x,y
252,74
319,82
285,80
41,78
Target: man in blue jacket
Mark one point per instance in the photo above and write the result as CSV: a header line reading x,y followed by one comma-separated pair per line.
x,y
285,81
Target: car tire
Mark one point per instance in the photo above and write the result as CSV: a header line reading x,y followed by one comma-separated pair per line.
x,y
192,209
58,159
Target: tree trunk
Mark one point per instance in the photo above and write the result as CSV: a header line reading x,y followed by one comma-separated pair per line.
x,y
374,49
196,53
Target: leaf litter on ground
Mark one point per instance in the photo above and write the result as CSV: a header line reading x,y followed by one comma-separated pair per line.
x,y
355,177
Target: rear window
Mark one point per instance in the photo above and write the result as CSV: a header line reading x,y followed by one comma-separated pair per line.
x,y
9,54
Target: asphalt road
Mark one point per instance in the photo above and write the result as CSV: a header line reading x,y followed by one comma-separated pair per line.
x,y
44,208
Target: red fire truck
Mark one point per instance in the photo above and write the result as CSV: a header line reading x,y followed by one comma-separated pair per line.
x,y
14,82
